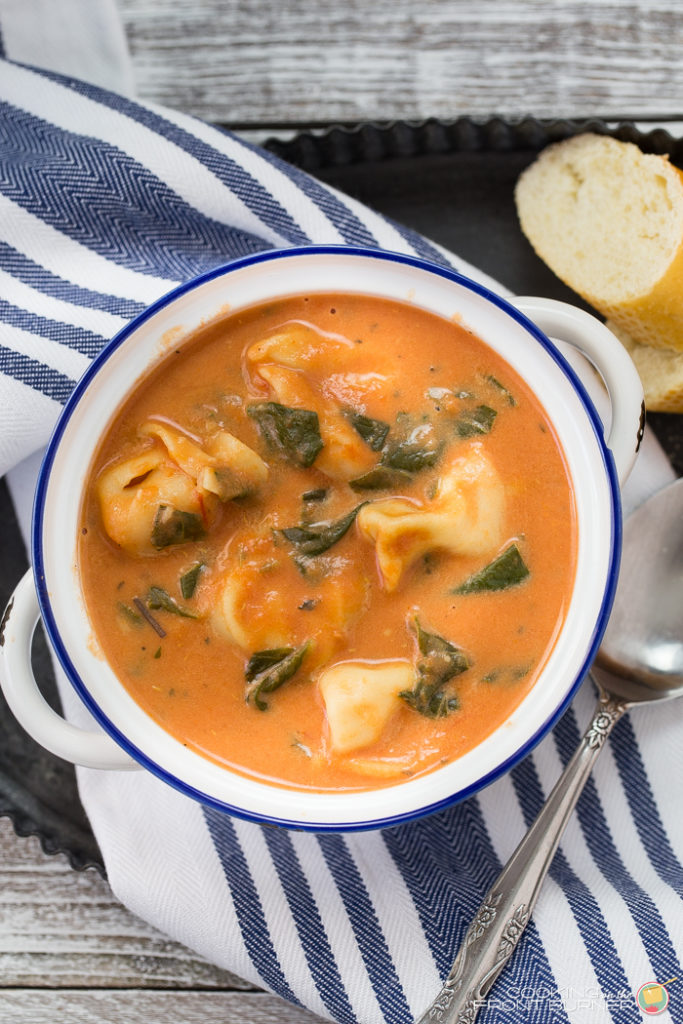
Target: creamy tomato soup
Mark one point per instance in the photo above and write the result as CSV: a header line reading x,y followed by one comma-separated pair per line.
x,y
329,542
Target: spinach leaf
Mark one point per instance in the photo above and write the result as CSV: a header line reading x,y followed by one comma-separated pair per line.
x,y
318,494
158,598
430,704
268,670
225,483
501,387
318,537
380,478
189,580
417,449
173,526
373,432
507,674
475,421
441,662
507,570
129,614
294,432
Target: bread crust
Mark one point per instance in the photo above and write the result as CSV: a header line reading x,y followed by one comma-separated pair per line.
x,y
660,370
654,319
567,234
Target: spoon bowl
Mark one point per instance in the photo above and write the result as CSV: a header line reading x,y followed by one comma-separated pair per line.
x,y
642,648
640,660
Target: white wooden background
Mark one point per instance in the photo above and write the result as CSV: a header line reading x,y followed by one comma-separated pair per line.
x,y
68,951
251,63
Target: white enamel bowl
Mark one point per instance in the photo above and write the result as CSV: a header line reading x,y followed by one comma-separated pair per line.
x,y
127,736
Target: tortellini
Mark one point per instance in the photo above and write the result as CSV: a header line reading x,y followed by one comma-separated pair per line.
x,y
464,517
297,364
132,492
225,466
301,347
344,454
253,607
360,699
170,492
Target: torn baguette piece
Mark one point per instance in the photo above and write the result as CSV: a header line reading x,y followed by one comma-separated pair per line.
x,y
608,220
660,370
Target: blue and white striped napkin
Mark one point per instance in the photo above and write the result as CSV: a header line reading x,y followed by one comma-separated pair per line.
x,y
105,204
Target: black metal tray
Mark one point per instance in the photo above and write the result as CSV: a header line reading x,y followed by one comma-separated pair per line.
x,y
454,183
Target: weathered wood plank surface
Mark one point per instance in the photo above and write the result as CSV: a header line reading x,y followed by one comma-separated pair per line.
x,y
70,952
62,928
29,1006
246,62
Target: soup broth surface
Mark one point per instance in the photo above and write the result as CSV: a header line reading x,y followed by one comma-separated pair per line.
x,y
329,541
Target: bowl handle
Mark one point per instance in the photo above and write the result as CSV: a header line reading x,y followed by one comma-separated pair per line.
x,y
613,363
27,704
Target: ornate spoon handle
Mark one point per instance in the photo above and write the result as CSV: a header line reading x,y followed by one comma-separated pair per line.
x,y
504,913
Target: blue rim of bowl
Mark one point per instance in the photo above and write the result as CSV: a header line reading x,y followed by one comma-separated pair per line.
x,y
43,479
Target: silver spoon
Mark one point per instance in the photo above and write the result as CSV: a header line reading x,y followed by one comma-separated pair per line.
x,y
640,660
